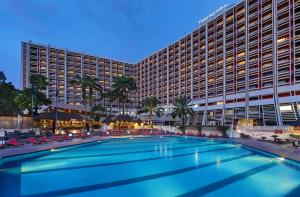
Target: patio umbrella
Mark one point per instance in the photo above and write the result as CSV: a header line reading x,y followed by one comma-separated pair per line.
x,y
107,120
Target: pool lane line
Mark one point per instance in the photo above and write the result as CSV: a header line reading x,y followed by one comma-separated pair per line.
x,y
126,162
134,180
286,162
228,181
123,153
294,192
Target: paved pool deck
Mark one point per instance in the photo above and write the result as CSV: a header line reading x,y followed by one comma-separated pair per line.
x,y
30,148
286,151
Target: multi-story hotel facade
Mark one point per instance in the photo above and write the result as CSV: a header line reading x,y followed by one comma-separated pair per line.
x,y
240,66
60,66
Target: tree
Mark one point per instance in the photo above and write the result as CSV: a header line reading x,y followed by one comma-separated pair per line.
x,y
149,105
23,100
25,97
88,85
111,95
39,82
124,85
182,108
7,94
96,112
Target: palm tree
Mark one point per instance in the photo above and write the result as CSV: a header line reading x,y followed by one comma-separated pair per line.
x,y
124,85
111,95
96,112
149,105
87,84
182,108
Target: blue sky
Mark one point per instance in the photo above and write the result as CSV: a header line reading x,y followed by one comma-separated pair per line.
x,y
127,30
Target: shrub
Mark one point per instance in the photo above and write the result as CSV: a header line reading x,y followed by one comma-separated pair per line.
x,y
295,136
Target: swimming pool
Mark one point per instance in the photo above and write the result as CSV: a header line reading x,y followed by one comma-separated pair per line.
x,y
150,166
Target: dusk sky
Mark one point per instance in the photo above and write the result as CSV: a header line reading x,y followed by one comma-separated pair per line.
x,y
127,30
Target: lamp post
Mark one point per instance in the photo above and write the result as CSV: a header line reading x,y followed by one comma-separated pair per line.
x,y
32,120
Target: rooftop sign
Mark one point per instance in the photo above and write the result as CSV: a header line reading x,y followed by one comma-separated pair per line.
x,y
216,12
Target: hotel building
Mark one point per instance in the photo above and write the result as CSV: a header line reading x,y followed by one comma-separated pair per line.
x,y
60,66
241,66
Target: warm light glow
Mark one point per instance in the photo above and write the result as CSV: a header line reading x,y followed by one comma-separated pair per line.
x,y
281,159
286,108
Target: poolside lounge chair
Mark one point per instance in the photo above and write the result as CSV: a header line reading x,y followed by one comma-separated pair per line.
x,y
13,142
82,135
66,137
32,140
57,138
44,139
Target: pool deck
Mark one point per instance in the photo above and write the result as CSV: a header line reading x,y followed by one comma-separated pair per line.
x,y
287,151
30,148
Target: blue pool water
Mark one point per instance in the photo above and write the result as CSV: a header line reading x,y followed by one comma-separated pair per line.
x,y
150,166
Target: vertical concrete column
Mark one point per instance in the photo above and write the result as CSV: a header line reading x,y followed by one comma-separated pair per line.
x,y
223,119
27,64
47,69
110,73
204,119
192,65
168,76
179,69
81,70
247,63
66,78
275,66
97,77
158,77
148,77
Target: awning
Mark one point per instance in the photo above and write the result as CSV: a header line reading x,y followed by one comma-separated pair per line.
x,y
60,116
124,118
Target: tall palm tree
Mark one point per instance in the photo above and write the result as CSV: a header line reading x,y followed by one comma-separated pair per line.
x,y
182,108
111,95
150,105
123,86
88,85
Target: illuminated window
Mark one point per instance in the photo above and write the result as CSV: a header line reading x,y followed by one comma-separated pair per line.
x,y
281,39
286,108
241,63
241,54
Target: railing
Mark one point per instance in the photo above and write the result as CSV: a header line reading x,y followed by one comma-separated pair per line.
x,y
263,128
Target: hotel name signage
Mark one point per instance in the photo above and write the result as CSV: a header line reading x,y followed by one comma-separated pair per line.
x,y
219,10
